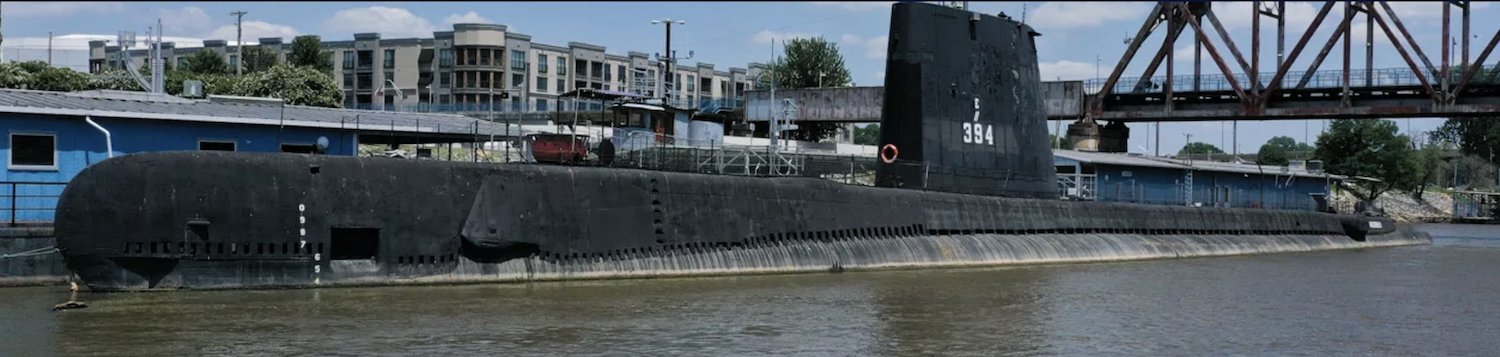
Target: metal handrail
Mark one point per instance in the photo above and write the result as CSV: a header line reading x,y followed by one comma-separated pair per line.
x,y
16,198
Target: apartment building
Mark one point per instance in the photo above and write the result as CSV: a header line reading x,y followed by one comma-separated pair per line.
x,y
482,67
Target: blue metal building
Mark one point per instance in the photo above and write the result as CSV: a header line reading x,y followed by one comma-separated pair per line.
x,y
52,136
1139,179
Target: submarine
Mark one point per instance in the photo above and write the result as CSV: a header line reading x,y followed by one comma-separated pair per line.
x,y
965,178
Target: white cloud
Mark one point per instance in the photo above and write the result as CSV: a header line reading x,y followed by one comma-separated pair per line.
x,y
766,36
187,19
24,9
1068,14
1066,70
390,22
253,31
856,6
874,47
467,18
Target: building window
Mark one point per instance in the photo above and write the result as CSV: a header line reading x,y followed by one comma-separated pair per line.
x,y
471,57
541,104
445,79
348,80
363,81
390,58
366,59
234,61
515,104
691,83
517,80
562,86
620,73
216,145
606,72
562,68
348,59
541,86
445,58
33,151
541,63
182,62
444,99
517,60
389,76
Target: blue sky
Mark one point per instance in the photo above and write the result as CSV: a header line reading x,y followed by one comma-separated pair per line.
x,y
727,34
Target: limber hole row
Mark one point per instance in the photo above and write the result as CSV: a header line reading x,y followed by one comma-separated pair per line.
x,y
223,248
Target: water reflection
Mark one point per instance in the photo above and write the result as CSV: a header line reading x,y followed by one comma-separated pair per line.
x,y
924,314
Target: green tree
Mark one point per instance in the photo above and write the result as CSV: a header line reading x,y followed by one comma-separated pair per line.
x,y
208,62
37,75
307,51
1060,142
1277,150
1369,148
1199,148
1478,136
298,85
259,59
868,135
809,63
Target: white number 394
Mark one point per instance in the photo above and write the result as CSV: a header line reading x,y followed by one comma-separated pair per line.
x,y
976,132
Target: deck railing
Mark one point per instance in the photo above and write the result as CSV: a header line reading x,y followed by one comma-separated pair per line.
x,y
30,202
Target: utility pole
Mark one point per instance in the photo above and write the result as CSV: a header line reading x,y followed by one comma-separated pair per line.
x,y
2,39
239,41
1189,141
49,48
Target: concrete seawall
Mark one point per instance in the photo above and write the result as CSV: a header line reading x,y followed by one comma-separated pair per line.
x,y
27,257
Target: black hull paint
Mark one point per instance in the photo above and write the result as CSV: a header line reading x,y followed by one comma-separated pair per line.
x,y
228,220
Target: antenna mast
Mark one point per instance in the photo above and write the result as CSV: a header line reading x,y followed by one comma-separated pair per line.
x,y
239,42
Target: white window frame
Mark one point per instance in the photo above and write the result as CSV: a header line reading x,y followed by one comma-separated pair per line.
x,y
11,155
235,144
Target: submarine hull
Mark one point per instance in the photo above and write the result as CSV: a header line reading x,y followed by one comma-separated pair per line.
x,y
211,220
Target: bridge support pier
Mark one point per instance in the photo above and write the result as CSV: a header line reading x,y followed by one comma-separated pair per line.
x,y
1084,135
1114,137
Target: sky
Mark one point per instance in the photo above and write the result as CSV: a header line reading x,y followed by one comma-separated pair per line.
x,y
1080,40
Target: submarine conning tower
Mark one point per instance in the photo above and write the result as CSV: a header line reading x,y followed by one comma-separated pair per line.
x,y
963,110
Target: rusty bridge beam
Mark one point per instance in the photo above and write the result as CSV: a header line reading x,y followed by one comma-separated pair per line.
x,y
1173,30
1228,42
1409,39
1338,33
1135,45
1474,67
1296,50
1214,53
1447,38
1421,77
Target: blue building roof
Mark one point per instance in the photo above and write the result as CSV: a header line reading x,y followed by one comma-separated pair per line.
x,y
238,110
1115,159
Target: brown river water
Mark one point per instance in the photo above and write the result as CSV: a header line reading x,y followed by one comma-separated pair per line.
x,y
1439,300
